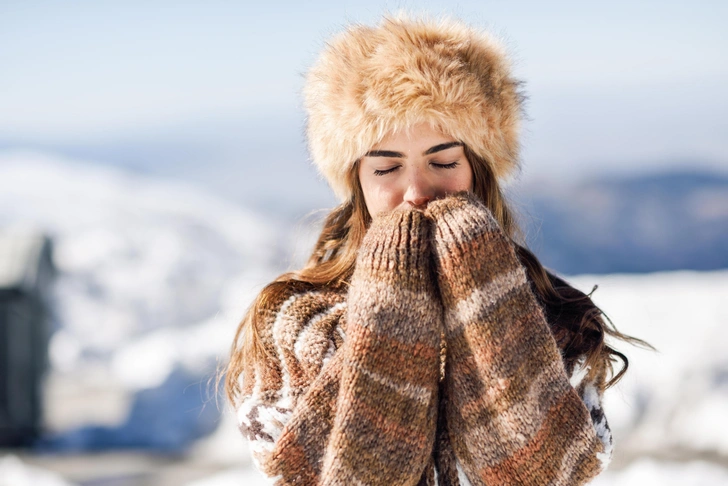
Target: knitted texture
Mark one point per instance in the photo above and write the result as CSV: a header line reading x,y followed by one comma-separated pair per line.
x,y
518,420
350,392
387,407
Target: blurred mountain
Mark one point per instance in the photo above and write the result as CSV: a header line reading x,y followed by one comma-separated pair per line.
x,y
259,161
667,219
153,277
639,223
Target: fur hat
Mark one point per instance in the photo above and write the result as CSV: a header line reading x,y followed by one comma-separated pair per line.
x,y
369,81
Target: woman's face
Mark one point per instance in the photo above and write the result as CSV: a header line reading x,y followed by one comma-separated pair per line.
x,y
408,169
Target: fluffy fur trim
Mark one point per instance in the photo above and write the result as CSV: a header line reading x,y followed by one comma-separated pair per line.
x,y
369,81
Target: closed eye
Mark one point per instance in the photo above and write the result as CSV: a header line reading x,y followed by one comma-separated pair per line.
x,y
451,165
385,171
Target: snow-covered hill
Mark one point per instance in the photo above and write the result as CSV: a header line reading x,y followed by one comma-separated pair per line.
x,y
136,256
155,275
673,402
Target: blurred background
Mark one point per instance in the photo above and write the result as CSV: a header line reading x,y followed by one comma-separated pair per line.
x,y
154,176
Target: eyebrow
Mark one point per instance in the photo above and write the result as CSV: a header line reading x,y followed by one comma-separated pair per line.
x,y
400,155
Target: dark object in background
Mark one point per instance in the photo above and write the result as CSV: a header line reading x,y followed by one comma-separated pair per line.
x,y
26,272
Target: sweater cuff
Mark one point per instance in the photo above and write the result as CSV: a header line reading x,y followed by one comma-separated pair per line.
x,y
460,213
470,249
396,248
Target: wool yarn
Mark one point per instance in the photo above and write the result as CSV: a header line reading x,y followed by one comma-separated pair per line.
x,y
351,391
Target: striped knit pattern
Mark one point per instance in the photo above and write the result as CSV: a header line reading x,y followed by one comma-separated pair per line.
x,y
385,421
300,336
518,419
349,393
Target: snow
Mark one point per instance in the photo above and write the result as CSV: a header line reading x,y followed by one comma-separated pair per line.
x,y
135,255
13,472
675,398
650,472
233,477
154,277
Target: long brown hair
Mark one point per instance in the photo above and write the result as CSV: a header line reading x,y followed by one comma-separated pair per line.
x,y
577,324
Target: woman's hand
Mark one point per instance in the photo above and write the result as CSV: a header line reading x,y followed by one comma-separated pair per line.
x,y
512,415
396,251
386,412
469,246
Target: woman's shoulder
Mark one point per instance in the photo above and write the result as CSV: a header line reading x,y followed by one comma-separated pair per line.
x,y
301,304
299,329
289,314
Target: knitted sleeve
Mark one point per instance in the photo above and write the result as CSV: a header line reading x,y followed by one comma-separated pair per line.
x,y
384,427
512,413
300,371
368,416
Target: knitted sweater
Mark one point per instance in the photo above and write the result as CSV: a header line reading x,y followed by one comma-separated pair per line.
x,y
353,391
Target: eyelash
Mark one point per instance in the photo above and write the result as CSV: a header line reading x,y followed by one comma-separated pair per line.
x,y
451,165
386,171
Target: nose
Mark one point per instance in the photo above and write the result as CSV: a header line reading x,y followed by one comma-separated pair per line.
x,y
419,191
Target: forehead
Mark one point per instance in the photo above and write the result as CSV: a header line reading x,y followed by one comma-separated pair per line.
x,y
419,136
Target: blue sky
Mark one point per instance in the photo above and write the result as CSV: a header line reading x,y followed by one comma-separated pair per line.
x,y
628,81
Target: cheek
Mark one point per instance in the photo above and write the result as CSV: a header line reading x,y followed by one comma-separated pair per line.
x,y
468,180
462,181
380,196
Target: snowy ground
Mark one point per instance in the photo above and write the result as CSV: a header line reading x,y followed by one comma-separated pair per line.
x,y
154,277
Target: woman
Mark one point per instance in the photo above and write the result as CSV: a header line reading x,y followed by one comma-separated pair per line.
x,y
420,344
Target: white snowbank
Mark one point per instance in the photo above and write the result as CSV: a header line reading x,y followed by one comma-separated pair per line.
x,y
152,272
649,472
233,477
154,277
13,472
676,398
